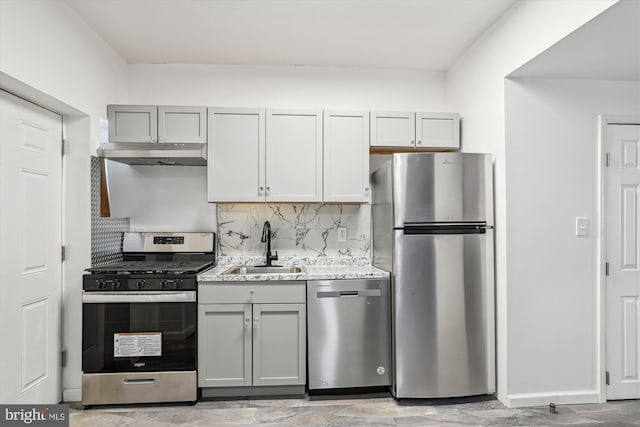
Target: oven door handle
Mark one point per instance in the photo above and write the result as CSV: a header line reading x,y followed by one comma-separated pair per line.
x,y
142,297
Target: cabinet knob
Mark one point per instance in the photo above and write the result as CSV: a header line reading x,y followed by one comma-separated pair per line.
x,y
366,189
255,322
412,142
419,142
160,139
268,188
260,191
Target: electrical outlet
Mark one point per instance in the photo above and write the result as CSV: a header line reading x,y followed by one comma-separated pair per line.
x,y
342,234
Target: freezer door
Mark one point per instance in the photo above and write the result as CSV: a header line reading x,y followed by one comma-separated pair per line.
x,y
442,187
443,314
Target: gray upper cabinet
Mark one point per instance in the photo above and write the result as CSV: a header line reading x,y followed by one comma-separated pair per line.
x,y
438,130
393,129
162,124
182,124
133,123
402,131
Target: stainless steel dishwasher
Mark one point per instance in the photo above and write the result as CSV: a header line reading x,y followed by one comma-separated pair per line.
x,y
349,333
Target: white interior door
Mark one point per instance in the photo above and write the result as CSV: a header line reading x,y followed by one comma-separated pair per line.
x,y
30,262
622,230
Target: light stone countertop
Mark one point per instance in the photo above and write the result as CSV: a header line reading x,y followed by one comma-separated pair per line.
x,y
318,268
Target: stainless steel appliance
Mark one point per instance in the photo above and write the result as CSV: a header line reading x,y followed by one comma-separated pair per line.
x,y
139,320
432,229
349,333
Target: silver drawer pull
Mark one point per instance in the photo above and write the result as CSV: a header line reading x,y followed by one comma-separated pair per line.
x,y
134,381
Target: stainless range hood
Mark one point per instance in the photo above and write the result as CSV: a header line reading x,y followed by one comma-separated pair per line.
x,y
191,154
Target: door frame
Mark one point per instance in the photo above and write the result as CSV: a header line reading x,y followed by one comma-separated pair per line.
x,y
63,165
76,219
604,120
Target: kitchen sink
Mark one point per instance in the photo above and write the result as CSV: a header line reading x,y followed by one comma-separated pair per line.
x,y
243,269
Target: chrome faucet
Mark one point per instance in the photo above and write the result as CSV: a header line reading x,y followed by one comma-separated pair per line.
x,y
266,238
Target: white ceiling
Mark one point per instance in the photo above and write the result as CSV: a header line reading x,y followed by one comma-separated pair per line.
x,y
418,34
606,48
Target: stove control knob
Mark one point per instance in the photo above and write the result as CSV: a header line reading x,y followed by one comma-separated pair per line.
x,y
140,284
101,284
117,284
164,283
179,283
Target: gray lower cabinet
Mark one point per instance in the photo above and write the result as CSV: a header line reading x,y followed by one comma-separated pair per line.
x,y
224,345
251,334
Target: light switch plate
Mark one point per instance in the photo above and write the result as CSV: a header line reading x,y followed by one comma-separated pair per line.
x,y
582,226
342,234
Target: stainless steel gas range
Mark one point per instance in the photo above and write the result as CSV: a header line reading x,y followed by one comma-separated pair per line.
x,y
139,320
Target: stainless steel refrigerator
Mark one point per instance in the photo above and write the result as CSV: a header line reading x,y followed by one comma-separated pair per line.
x,y
433,230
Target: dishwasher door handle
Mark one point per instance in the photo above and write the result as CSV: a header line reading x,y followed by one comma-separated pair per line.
x,y
348,293
360,293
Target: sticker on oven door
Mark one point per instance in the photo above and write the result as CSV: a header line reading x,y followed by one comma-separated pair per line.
x,y
137,344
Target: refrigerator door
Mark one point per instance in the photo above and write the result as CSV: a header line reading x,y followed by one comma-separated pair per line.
x,y
442,187
443,314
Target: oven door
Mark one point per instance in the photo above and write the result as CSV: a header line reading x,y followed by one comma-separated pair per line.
x,y
138,331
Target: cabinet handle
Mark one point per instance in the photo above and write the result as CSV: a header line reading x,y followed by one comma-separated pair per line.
x,y
412,142
247,322
160,139
255,322
419,142
366,189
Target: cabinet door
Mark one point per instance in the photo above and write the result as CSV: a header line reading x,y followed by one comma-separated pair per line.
x,y
133,123
294,156
224,345
346,156
392,129
279,344
182,124
236,155
438,130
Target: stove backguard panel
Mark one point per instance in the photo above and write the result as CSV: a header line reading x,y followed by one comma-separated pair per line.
x,y
106,233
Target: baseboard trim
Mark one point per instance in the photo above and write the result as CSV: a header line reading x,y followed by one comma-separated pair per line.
x,y
291,390
560,397
72,395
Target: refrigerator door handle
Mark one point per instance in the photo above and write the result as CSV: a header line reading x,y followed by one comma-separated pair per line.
x,y
472,229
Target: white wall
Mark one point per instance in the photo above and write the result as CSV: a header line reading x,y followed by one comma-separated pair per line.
x,y
161,198
49,55
475,88
147,188
46,45
287,87
552,178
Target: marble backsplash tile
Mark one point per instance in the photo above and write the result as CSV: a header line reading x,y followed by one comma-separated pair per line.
x,y
303,230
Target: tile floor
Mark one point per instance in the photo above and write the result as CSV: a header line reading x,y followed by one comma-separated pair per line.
x,y
349,411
